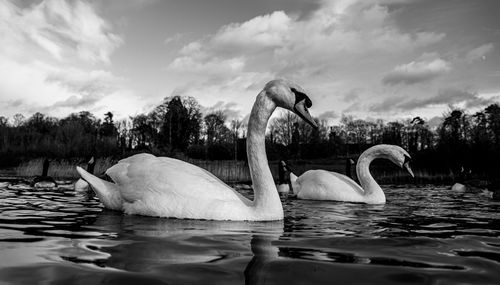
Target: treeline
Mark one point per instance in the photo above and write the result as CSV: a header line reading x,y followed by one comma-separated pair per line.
x,y
177,127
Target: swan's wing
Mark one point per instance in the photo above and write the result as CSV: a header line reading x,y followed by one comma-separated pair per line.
x,y
347,180
146,174
326,185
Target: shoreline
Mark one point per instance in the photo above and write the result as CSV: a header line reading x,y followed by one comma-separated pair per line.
x,y
231,171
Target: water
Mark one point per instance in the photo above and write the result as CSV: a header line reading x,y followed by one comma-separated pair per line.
x,y
426,235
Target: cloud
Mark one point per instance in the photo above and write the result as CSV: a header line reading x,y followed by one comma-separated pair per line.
x,y
352,95
328,115
230,109
211,67
343,45
78,101
435,122
445,97
55,57
78,81
260,33
417,72
479,52
60,28
301,47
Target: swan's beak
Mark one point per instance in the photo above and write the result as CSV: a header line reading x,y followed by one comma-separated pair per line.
x,y
300,109
408,168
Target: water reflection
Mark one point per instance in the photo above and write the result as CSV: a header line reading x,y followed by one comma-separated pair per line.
x,y
422,235
146,243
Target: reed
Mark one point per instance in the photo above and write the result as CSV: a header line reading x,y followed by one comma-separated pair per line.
x,y
231,171
61,169
226,170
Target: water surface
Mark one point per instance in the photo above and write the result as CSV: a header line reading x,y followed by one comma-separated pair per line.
x,y
423,235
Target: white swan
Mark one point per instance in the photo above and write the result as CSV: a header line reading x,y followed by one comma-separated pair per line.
x,y
167,187
325,185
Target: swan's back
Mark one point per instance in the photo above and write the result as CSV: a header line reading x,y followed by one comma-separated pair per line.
x,y
164,185
326,185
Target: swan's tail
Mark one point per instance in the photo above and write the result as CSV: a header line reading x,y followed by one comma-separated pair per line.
x,y
107,192
293,183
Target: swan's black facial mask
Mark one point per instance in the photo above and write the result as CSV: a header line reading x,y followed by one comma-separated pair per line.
x,y
302,102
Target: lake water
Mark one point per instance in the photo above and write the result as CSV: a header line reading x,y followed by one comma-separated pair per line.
x,y
424,235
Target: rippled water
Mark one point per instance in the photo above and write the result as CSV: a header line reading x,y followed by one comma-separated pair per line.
x,y
425,235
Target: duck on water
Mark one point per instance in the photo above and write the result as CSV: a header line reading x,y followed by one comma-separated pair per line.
x,y
44,181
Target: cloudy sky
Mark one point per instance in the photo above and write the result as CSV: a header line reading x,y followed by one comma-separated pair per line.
x,y
389,59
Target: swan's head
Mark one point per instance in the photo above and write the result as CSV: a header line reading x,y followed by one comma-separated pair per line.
x,y
290,96
396,154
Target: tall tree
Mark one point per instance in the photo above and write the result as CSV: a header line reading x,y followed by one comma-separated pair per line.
x,y
181,122
215,128
493,118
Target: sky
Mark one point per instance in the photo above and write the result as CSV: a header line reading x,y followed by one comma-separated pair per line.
x,y
388,59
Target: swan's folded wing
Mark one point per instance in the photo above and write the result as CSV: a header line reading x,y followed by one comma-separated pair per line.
x,y
145,174
321,184
347,180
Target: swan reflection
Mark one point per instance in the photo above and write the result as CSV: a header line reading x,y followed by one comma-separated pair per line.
x,y
169,246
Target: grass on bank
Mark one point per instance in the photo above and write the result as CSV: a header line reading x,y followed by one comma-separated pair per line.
x,y
238,172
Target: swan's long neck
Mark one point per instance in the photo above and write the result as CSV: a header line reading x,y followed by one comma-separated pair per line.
x,y
266,199
369,185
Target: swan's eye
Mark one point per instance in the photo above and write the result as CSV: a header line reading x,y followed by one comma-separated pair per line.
x,y
299,96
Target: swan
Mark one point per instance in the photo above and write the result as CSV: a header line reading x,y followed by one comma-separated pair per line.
x,y
465,184
283,185
325,185
459,185
166,187
82,185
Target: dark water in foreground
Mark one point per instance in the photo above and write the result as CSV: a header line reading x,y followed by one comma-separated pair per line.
x,y
426,235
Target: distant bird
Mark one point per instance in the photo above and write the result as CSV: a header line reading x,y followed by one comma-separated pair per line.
x,y
161,186
465,184
283,183
348,167
459,185
494,188
82,185
44,181
326,185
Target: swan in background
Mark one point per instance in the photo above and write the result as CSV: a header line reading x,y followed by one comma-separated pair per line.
x,y
464,183
326,185
82,185
459,186
44,181
348,167
161,186
283,184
